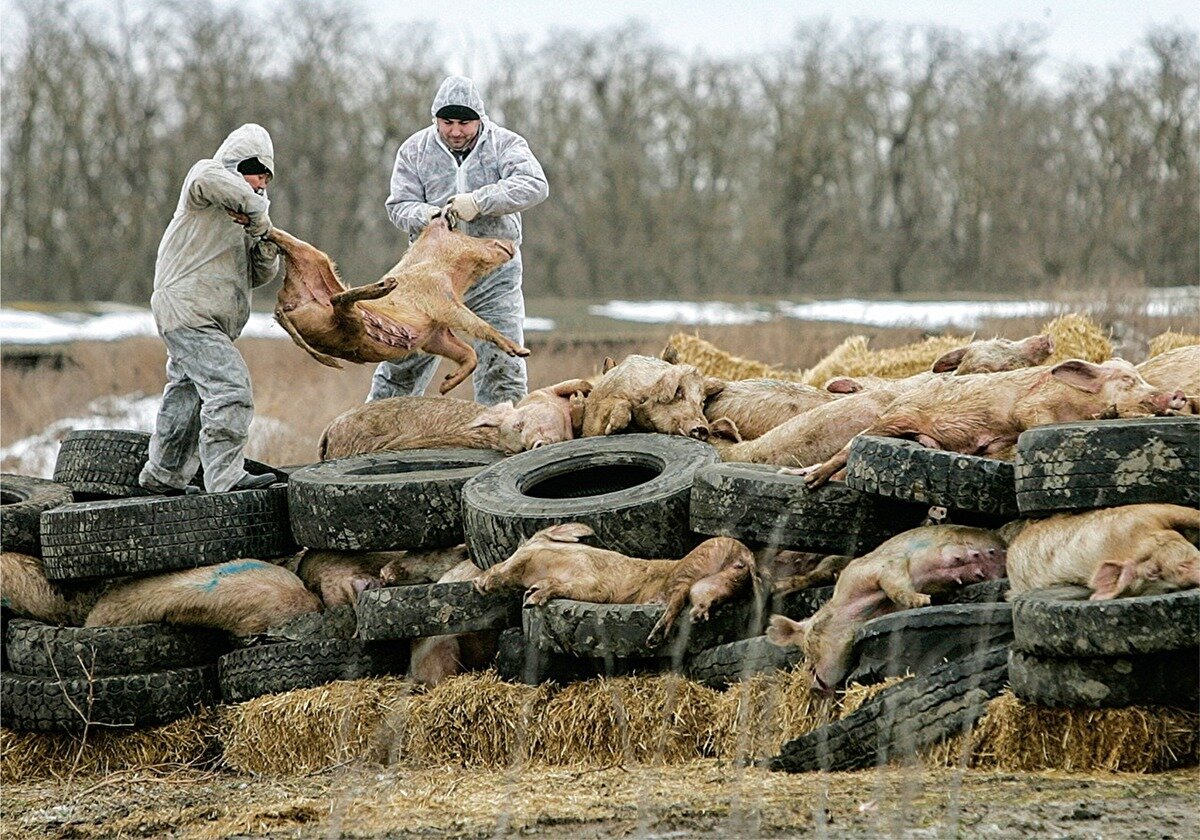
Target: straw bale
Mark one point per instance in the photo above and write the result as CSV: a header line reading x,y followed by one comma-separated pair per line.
x,y
856,694
1015,735
1171,341
713,361
663,718
757,716
188,742
473,720
1077,336
312,729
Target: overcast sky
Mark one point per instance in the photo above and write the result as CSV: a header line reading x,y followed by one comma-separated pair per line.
x,y
1091,31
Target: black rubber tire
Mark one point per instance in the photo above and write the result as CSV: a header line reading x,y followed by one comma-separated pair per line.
x,y
920,640
70,653
518,661
633,490
1166,678
755,504
385,500
802,603
903,469
22,501
272,669
47,705
105,464
434,609
158,533
1062,622
1101,463
331,623
984,592
619,631
729,663
902,719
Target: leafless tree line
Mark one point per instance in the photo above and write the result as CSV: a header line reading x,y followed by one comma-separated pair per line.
x,y
870,161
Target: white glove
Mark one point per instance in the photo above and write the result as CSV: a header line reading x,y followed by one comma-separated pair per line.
x,y
463,206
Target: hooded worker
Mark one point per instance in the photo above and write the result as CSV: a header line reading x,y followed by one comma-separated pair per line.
x,y
210,257
482,176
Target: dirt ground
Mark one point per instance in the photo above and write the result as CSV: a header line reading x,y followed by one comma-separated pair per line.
x,y
701,799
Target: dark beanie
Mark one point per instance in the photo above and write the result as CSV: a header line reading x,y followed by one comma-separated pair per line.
x,y
456,112
252,166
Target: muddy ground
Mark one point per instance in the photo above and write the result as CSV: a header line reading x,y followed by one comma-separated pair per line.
x,y
702,799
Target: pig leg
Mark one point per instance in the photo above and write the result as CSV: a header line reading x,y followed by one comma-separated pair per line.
x,y
371,291
442,342
658,633
614,416
819,474
898,586
457,316
546,589
290,329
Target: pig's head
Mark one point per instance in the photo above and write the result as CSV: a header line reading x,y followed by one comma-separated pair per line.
x,y
826,638
996,355
1161,573
468,257
1114,388
674,404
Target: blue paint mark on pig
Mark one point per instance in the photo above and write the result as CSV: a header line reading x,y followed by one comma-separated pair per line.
x,y
228,569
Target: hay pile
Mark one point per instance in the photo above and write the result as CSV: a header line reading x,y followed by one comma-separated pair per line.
x,y
758,716
312,729
713,361
1014,735
187,742
1075,336
1171,341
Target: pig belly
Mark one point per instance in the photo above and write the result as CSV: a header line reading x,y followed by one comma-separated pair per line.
x,y
958,565
355,337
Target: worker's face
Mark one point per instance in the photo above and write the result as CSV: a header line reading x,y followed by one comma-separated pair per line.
x,y
258,183
458,134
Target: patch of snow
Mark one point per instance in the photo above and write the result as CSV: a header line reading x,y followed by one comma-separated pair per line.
x,y
927,314
682,312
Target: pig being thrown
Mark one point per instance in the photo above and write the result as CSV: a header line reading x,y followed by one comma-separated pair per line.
x,y
554,564
414,307
646,394
983,414
242,597
900,574
1126,550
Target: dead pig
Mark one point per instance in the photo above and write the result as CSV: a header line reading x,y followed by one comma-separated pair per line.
x,y
756,406
398,423
995,355
407,567
983,414
554,564
1127,550
242,597
25,590
646,394
436,658
1177,369
414,307
900,574
548,415
339,577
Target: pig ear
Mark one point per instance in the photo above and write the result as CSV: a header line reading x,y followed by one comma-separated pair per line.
x,y
571,386
493,416
668,384
1111,579
725,428
713,386
843,385
609,364
784,632
670,354
949,361
568,532
1079,374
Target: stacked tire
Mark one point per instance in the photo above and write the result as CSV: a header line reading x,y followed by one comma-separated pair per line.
x,y
72,678
1072,651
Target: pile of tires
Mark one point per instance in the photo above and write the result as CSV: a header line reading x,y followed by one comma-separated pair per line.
x,y
1142,650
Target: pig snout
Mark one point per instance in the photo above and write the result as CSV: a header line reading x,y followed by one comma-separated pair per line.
x,y
699,432
1177,401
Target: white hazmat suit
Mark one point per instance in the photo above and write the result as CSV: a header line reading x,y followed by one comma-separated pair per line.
x,y
206,266
503,177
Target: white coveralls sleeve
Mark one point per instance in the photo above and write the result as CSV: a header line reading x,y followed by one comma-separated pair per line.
x,y
522,183
406,204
